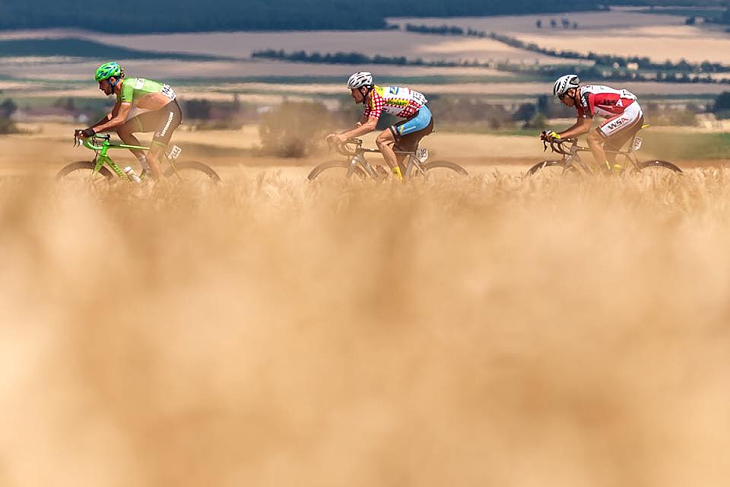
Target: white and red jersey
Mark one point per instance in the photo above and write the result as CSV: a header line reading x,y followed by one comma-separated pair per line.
x,y
603,101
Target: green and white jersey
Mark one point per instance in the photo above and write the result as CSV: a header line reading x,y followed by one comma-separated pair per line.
x,y
135,88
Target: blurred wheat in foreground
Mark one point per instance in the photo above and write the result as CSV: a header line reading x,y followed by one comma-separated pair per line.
x,y
496,332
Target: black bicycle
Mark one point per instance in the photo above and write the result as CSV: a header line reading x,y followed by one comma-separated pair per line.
x,y
414,165
626,160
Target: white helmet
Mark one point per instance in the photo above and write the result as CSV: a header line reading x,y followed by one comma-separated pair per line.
x,y
564,83
360,79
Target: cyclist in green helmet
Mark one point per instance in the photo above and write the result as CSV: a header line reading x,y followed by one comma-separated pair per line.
x,y
162,113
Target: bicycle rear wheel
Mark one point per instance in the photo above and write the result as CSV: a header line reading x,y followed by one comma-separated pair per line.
x,y
439,171
655,172
659,166
192,172
335,171
83,171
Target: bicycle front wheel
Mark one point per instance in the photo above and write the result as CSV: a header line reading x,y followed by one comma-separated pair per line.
x,y
192,172
335,170
439,171
83,171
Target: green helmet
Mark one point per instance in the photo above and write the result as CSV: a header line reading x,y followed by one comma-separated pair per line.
x,y
108,70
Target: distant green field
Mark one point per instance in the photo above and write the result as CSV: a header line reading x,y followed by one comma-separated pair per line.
x,y
687,146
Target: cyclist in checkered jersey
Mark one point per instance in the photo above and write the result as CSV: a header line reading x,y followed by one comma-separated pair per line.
x,y
401,102
620,108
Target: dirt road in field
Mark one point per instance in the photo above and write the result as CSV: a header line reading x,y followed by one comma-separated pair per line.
x,y
47,147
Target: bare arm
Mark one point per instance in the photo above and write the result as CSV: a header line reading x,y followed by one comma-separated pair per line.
x,y
365,126
114,119
582,126
106,118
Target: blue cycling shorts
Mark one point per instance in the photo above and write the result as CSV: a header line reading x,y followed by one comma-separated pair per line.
x,y
418,122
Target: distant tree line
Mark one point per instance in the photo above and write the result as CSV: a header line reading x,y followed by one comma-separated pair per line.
x,y
721,107
355,58
253,15
595,71
7,108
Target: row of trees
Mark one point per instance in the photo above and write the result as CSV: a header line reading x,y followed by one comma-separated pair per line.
x,y
597,71
566,24
7,108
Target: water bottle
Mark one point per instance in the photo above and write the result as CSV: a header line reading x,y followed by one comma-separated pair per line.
x,y
132,175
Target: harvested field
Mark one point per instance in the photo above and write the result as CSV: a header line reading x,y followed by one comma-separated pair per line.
x,y
660,43
241,45
622,32
271,332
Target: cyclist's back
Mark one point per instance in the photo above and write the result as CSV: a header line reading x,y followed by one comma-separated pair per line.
x,y
603,101
394,100
138,90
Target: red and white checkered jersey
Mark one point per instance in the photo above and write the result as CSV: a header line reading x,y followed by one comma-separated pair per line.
x,y
603,101
401,102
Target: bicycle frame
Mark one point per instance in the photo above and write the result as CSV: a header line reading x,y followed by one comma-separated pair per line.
x,y
572,159
102,156
357,158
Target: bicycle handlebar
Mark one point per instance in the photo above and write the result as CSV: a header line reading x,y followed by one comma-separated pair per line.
x,y
91,142
556,145
344,149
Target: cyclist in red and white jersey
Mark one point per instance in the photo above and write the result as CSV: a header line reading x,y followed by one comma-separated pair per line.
x,y
403,103
620,108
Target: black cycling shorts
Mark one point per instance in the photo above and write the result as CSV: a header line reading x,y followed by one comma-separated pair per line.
x,y
162,122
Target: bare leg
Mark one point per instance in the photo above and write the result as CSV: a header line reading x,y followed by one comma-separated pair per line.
x,y
596,143
125,133
385,142
153,159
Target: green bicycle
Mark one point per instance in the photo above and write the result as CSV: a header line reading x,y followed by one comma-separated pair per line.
x,y
102,169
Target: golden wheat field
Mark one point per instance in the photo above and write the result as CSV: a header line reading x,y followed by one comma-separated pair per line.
x,y
493,331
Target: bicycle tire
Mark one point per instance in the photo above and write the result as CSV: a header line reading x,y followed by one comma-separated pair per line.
x,y
320,168
548,163
430,166
654,163
192,166
83,166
